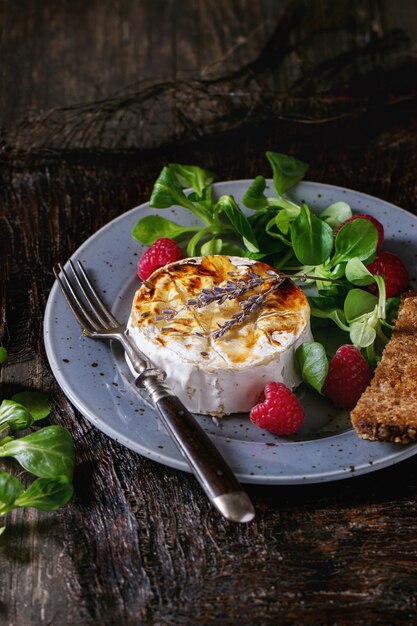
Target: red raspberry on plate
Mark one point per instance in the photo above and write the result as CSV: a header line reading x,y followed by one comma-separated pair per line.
x,y
394,271
278,411
162,252
374,221
348,376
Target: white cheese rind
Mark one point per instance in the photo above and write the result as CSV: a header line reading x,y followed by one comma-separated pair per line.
x,y
222,391
226,375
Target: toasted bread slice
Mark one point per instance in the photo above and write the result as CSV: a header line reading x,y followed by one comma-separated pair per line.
x,y
387,410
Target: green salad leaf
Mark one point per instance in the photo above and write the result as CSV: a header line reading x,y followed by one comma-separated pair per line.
x,y
312,239
192,176
213,246
168,192
233,250
239,221
358,303
358,239
335,214
282,221
255,197
312,364
287,171
153,227
362,334
336,315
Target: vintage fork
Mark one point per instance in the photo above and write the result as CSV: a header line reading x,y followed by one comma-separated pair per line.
x,y
209,467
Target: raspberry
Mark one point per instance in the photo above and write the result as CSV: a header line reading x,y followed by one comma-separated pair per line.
x,y
394,271
162,252
348,376
278,411
374,221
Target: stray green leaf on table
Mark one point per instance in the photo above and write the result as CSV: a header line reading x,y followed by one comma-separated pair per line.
x,y
47,452
46,494
14,415
3,355
36,403
10,489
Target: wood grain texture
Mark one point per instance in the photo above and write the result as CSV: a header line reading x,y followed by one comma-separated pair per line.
x,y
139,544
200,67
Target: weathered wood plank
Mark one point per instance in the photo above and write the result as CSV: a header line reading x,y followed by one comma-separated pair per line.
x,y
82,52
139,543
246,62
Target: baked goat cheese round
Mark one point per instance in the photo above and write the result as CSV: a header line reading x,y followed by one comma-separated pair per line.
x,y
214,374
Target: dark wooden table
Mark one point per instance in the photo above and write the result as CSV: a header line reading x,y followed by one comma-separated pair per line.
x,y
94,99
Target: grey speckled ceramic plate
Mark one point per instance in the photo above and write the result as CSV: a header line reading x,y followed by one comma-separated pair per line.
x,y
95,378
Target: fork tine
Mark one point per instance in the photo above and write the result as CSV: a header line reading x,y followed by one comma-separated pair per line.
x,y
72,300
105,310
86,294
77,301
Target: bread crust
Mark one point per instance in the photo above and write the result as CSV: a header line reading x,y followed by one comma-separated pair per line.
x,y
387,410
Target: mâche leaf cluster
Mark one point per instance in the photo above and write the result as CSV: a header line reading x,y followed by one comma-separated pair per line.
x,y
330,247
47,453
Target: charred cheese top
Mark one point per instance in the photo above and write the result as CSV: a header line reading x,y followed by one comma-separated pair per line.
x,y
271,329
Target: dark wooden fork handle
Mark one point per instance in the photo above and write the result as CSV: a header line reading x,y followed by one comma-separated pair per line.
x,y
208,465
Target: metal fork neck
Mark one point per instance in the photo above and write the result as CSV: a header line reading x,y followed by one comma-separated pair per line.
x,y
152,382
139,361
